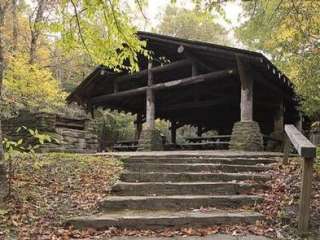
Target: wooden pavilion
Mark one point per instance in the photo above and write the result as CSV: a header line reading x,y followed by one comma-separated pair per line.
x,y
212,87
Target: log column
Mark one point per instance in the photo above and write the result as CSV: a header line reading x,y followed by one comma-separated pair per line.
x,y
138,124
150,105
246,134
199,131
173,129
150,139
278,129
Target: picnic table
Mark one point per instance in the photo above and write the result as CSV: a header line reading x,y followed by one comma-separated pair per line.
x,y
206,143
217,138
127,145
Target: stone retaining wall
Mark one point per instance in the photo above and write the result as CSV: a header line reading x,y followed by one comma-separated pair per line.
x,y
73,134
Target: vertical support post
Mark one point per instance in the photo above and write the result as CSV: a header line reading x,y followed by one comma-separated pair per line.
x,y
115,86
278,119
286,149
246,104
305,195
246,134
173,129
199,131
299,123
138,126
150,105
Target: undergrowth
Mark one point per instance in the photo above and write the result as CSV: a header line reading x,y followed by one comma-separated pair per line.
x,y
48,188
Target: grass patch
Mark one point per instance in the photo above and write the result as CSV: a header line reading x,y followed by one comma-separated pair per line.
x,y
49,188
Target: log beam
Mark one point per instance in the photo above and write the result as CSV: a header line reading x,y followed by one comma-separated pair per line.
x,y
166,85
162,68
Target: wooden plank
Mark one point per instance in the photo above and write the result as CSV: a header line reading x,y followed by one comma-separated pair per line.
x,y
166,85
305,195
304,147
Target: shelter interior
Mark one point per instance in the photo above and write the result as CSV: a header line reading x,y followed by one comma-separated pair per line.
x,y
195,83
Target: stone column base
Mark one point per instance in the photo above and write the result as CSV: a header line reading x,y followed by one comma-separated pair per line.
x,y
246,136
150,140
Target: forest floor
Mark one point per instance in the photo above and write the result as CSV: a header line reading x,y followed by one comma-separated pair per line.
x,y
47,189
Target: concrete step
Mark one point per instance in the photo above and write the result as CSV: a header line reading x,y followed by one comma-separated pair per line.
x,y
183,188
216,160
164,219
177,202
191,177
194,167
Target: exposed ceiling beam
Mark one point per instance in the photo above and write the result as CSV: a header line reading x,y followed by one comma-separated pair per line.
x,y
162,68
166,85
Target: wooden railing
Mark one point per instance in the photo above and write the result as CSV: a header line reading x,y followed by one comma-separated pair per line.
x,y
308,152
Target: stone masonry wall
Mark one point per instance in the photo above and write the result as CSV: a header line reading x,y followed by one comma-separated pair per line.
x,y
73,134
246,136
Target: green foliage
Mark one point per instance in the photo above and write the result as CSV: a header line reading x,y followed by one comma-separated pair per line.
x,y
102,28
31,87
112,126
192,24
289,31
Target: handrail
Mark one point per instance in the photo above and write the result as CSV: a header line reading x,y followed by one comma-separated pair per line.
x,y
308,152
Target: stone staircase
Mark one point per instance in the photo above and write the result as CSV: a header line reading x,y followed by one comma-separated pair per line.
x,y
178,191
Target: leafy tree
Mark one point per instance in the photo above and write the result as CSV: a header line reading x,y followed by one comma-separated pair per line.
x,y
102,29
29,86
289,31
192,24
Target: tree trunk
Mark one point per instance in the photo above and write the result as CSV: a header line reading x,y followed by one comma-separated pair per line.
x,y
35,30
14,26
3,8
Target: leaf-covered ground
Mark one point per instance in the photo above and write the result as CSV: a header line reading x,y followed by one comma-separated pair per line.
x,y
50,188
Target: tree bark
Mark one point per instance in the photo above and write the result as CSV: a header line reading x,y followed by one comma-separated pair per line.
x,y
14,26
35,30
3,8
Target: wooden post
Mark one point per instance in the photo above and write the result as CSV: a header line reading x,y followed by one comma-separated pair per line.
x,y
173,129
305,195
278,119
115,86
150,105
286,149
138,126
298,124
246,104
308,152
199,131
